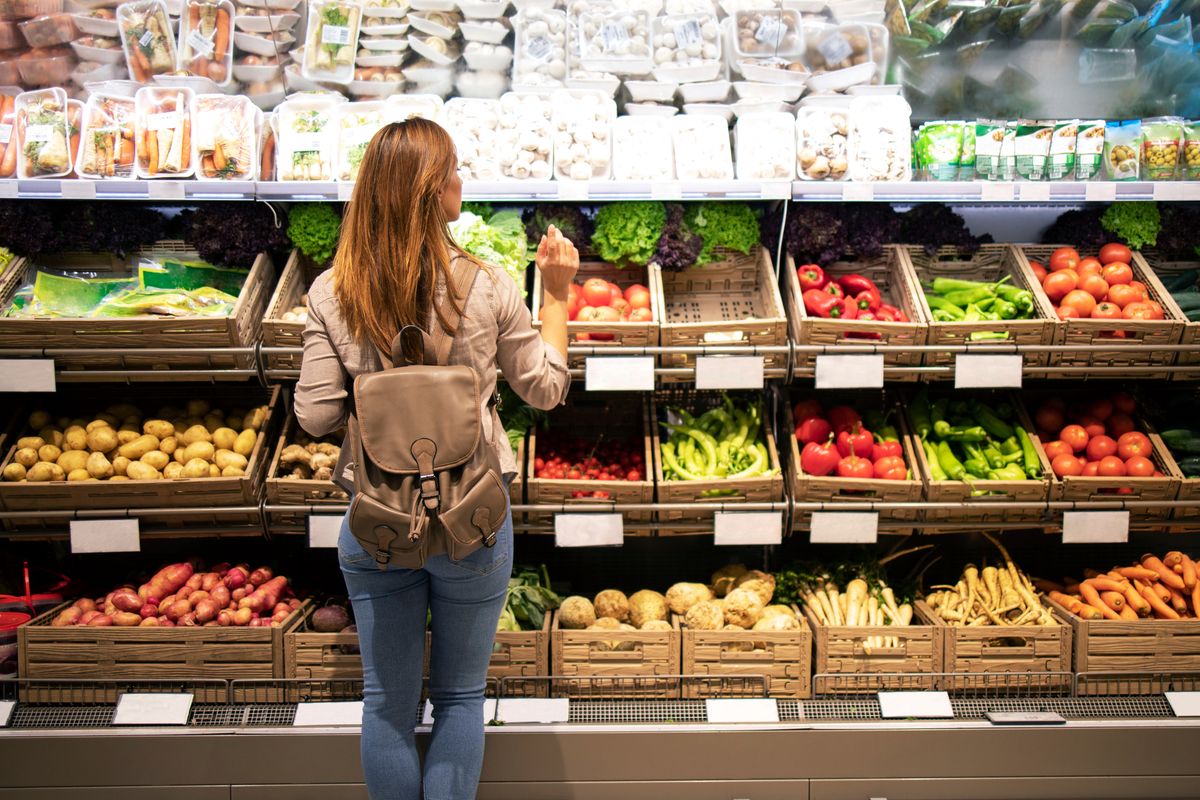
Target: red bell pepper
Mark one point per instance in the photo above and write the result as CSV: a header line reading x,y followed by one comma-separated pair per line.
x,y
897,314
855,283
855,441
865,316
813,429
885,449
833,289
819,459
868,300
811,277
822,304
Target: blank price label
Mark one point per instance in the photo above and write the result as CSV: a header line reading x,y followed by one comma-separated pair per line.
x,y
850,372
987,372
153,709
324,530
915,705
78,190
844,527
1035,192
1100,191
572,191
166,190
27,375
747,527
105,536
1184,704
6,712
1171,191
996,192
588,530
776,190
1025,718
489,712
328,715
732,712
858,192
616,374
525,711
666,190
729,372
345,191
1095,527
8,189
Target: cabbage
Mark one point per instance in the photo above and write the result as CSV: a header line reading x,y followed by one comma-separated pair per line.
x,y
498,240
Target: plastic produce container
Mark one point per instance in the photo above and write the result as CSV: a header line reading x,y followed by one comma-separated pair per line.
x,y
50,68
147,38
839,56
164,119
9,144
407,106
687,48
764,34
49,30
357,124
307,138
108,137
766,146
702,149
205,48
642,149
101,49
331,41
525,137
880,139
540,55
25,9
583,135
101,22
822,141
473,124
45,139
224,137
612,40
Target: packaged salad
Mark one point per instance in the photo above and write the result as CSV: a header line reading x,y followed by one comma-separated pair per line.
x,y
43,134
205,32
164,132
937,150
332,40
9,144
108,137
1089,149
1061,163
357,124
147,38
1162,138
307,136
225,129
1032,148
1191,150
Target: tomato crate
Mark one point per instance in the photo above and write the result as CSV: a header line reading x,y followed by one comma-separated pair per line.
x,y
189,338
833,489
994,507
894,339
112,653
973,654
636,664
242,490
990,263
1082,333
734,301
784,658
610,334
855,654
760,489
292,290
1147,647
1170,272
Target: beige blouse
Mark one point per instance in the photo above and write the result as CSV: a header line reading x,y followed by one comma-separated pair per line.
x,y
496,329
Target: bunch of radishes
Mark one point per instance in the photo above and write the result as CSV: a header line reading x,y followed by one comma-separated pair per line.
x,y
178,595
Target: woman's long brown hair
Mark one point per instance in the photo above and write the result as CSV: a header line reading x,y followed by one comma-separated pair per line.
x,y
395,239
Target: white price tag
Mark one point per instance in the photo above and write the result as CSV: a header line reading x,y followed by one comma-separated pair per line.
x,y
730,712
572,191
729,372
27,375
919,705
324,530
1170,191
201,44
78,190
844,527
666,190
6,130
166,190
850,372
1184,704
588,530
335,35
39,133
1095,527
489,711
858,192
1025,718
619,374
163,120
994,192
328,715
1035,192
1100,191
747,527
539,48
146,38
987,371
8,189
345,191
152,709
518,711
6,711
105,536
776,190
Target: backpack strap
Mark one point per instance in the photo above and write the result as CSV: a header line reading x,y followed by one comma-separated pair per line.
x,y
464,271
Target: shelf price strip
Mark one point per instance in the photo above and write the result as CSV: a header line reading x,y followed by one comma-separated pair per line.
x,y
536,711
588,530
324,530
328,715
915,705
6,711
729,372
135,708
619,374
844,527
747,528
1095,527
849,372
733,712
27,375
105,536
987,371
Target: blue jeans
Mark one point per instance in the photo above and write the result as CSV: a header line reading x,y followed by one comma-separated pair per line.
x,y
465,599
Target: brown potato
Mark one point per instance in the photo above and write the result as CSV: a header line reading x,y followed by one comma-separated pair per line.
x,y
72,460
57,473
169,445
52,436
39,419
97,423
119,478
227,458
126,435
178,455
98,466
48,452
214,471
103,439
34,442
26,456
201,449
224,438
15,472
159,428
79,475
120,464
139,447
213,421
234,422
173,471
142,472
232,472
196,433
245,442
196,468
157,459
41,471
256,418
75,439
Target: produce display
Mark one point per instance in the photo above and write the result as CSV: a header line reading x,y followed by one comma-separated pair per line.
x,y
496,238
839,441
598,300
612,610
957,300
44,134
1001,596
225,137
849,595
306,459
723,443
1096,287
848,297
736,599
527,600
1097,438
108,138
972,440
204,40
571,459
164,132
147,37
1151,588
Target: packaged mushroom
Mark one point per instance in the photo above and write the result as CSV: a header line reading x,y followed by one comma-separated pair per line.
x,y
880,139
473,125
838,55
766,146
687,48
332,40
407,106
613,39
767,34
357,124
642,149
540,58
702,149
582,124
822,150
525,138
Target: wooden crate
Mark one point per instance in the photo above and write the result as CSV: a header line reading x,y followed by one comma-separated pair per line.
x,y
972,654
1151,334
988,508
591,417
832,489
190,492
783,657
298,274
192,337
734,301
895,339
313,494
1164,269
841,650
516,489
992,262
1146,647
1189,488
643,664
151,654
724,490
623,334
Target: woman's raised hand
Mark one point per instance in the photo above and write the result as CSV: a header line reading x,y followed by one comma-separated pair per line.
x,y
558,261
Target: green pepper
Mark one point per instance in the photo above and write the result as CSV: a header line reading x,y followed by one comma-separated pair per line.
x,y
974,433
966,297
945,306
945,286
995,458
931,455
1004,309
976,468
989,421
950,464
921,413
987,336
1031,462
668,454
1009,472
938,417
1021,298
1010,445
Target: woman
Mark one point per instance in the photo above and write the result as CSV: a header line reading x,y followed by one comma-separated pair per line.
x,y
391,269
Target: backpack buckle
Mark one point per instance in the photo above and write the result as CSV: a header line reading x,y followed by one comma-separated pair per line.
x,y
429,491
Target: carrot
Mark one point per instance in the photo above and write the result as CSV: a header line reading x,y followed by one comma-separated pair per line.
x,y
140,64
1065,600
218,157
1106,584
1134,600
1178,602
1161,609
1196,600
1092,598
126,158
193,16
1089,613
1139,573
267,167
21,141
8,165
1173,559
73,127
222,39
1114,600
1189,573
1129,614
1165,574
187,132
1047,586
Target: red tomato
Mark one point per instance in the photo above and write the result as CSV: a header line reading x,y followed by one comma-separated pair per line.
x,y
1119,425
622,306
607,314
1075,436
1139,467
1049,418
1106,311
1141,289
1058,448
641,315
855,467
1140,311
596,292
1157,308
1100,446
1115,252
843,418
1057,284
1067,465
1117,272
1101,409
1064,258
1094,285
587,313
573,297
1038,270
615,293
638,296
1122,294
1091,469
891,468
818,429
1089,266
1134,444
1093,426
1081,301
1124,402
807,408
1067,312
1111,467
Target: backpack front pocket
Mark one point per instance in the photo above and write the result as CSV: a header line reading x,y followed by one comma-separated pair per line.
x,y
474,520
383,533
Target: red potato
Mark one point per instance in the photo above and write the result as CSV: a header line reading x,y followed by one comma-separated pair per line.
x,y
261,576
212,623
166,602
279,617
294,603
198,595
206,611
236,595
149,622
242,616
127,600
266,596
88,616
249,587
221,568
236,577
195,582
177,609
281,607
184,591
126,619
188,620
221,595
163,622
225,618
85,604
100,621
148,611
67,617
210,581
110,609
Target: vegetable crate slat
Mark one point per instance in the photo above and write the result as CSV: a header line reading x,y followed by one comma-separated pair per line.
x,y
734,301
972,653
847,650
111,653
1147,646
1169,272
298,274
1151,334
632,659
989,508
197,334
783,657
188,492
297,491
991,263
600,334
894,339
724,490
593,420
1189,488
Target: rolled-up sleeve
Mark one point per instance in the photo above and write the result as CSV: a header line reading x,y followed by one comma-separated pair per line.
x,y
536,371
321,391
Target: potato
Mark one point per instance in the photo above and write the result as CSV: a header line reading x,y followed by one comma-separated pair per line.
x,y
139,447
245,442
169,445
196,468
156,458
199,450
255,419
97,423
142,472
120,464
214,471
178,455
227,458
79,475
196,433
26,457
224,438
48,452
52,436
42,471
234,422
98,466
198,408
103,439
75,439
72,460
125,436
214,421
119,478
34,442
39,419
14,472
159,428
173,471
232,472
